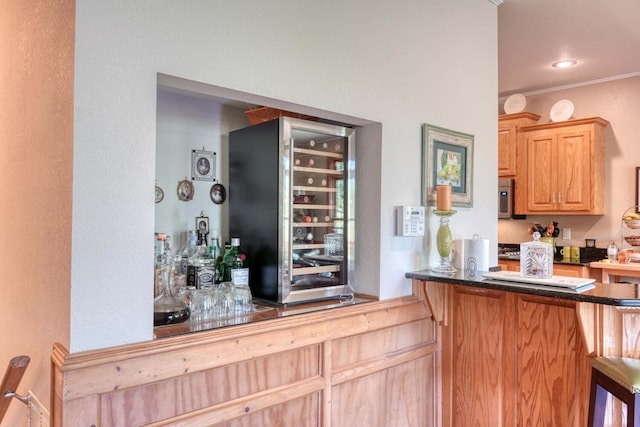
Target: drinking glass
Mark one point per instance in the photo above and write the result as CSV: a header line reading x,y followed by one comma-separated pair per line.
x,y
202,304
186,293
224,300
242,299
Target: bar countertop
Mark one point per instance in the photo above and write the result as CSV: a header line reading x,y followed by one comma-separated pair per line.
x,y
260,312
615,294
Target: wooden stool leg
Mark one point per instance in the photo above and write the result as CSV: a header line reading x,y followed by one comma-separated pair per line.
x,y
597,402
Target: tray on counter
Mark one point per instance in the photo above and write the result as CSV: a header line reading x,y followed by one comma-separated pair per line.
x,y
572,283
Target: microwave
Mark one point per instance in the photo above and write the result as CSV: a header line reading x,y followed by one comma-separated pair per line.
x,y
505,198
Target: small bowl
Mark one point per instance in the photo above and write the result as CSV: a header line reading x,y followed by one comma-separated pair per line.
x,y
633,240
632,223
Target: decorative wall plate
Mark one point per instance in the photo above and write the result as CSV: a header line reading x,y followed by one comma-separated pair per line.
x,y
515,104
185,190
159,194
561,111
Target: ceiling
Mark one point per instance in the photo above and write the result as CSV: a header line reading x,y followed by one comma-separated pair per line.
x,y
603,36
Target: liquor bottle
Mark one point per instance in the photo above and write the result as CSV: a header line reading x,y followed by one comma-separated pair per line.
x,y
612,252
159,248
233,260
202,268
186,252
216,253
301,217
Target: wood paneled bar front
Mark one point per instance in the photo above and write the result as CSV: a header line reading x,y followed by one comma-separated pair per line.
x,y
369,364
460,351
519,356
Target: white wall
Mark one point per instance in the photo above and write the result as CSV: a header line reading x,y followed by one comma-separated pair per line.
x,y
397,63
617,101
186,123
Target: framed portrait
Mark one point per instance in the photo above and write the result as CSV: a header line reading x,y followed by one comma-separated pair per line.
x,y
185,190
159,194
202,225
218,194
203,165
447,159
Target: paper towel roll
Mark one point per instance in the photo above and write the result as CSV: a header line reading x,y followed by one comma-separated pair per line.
x,y
476,254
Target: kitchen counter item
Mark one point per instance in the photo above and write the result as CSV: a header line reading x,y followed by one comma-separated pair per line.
x,y
536,258
573,283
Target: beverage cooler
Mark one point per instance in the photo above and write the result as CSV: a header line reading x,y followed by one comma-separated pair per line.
x,y
291,202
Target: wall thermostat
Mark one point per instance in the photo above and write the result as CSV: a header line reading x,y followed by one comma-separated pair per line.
x,y
410,220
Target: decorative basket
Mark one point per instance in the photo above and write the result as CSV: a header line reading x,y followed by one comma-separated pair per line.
x,y
633,240
264,114
632,223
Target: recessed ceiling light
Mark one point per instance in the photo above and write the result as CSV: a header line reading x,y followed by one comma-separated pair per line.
x,y
564,64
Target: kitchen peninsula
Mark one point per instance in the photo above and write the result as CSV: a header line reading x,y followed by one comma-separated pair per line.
x,y
519,355
459,351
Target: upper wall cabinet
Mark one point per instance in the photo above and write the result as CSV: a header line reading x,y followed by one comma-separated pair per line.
x,y
508,126
561,168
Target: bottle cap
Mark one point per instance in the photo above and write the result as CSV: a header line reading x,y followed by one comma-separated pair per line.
x,y
235,241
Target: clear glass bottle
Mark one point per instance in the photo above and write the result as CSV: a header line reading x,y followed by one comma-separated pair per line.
x,y
187,251
202,268
612,252
167,308
216,253
536,258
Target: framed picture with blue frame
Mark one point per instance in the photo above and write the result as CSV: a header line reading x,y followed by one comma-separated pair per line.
x,y
447,159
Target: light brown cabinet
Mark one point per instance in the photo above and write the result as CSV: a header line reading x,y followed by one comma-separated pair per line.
x,y
513,360
370,364
508,126
561,168
509,265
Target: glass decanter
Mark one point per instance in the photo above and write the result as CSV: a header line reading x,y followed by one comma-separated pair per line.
x,y
167,308
536,258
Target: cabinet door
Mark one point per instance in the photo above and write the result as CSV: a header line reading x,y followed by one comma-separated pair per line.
x,y
508,128
574,170
551,369
541,168
561,169
507,149
480,371
510,265
570,270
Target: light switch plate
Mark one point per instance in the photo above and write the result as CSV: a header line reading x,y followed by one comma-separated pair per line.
x,y
566,234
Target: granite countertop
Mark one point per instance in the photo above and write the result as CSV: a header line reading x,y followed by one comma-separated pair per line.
x,y
616,294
